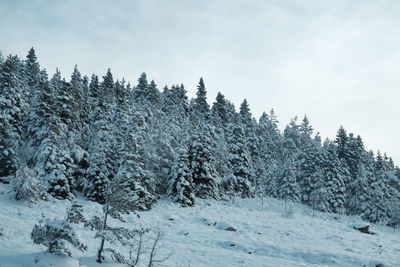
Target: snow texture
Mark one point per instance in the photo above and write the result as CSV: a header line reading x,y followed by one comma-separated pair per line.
x,y
198,236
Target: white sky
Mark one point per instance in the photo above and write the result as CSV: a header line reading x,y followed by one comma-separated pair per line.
x,y
335,60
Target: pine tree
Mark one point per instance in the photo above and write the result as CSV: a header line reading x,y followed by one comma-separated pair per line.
x,y
270,142
58,235
220,110
220,119
239,161
101,160
13,110
360,202
47,138
32,71
27,186
153,94
381,193
252,142
355,148
288,188
75,99
245,114
310,176
130,162
342,142
202,163
119,199
201,104
42,111
335,187
305,128
141,90
200,110
180,184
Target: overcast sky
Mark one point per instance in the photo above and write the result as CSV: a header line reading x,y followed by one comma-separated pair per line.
x,y
336,61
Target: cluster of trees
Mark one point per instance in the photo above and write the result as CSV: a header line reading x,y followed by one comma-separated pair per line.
x,y
60,137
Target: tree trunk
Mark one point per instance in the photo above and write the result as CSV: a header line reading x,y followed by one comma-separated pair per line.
x,y
262,201
99,257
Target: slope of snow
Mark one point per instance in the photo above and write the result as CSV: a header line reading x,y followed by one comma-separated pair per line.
x,y
197,236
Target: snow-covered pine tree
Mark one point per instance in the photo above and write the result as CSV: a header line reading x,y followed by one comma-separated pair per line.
x,y
32,71
248,123
199,108
153,95
220,119
42,111
310,174
356,150
47,139
27,186
58,235
202,163
220,110
13,110
381,192
75,99
130,162
201,104
270,178
180,184
141,90
335,187
239,161
120,198
101,155
269,153
342,143
288,189
360,202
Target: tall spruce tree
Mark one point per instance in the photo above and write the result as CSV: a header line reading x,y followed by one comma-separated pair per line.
x,y
102,162
13,111
202,163
180,183
32,71
335,187
288,188
239,161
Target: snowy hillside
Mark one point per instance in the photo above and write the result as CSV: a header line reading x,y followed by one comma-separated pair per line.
x,y
197,236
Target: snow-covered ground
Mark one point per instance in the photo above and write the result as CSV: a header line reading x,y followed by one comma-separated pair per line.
x,y
197,236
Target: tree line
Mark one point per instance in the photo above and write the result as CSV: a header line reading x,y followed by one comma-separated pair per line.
x,y
63,137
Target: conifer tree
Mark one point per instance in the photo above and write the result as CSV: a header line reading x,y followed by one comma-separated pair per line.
x,y
102,163
141,90
360,202
180,184
153,94
201,104
13,110
47,138
130,162
58,235
32,71
27,186
202,163
76,102
199,107
239,161
381,192
220,110
335,187
288,188
119,198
